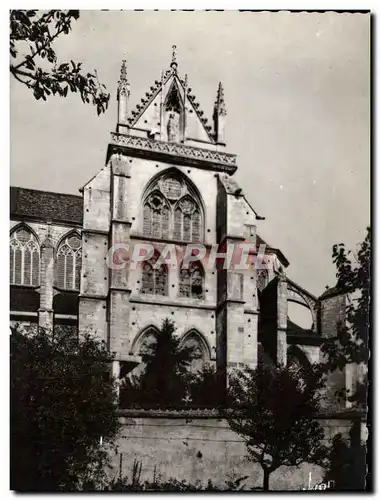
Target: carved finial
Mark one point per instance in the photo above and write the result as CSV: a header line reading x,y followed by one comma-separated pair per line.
x,y
219,116
220,105
174,63
123,87
123,71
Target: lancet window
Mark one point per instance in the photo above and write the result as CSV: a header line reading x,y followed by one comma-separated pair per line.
x,y
171,210
24,258
154,279
191,281
68,263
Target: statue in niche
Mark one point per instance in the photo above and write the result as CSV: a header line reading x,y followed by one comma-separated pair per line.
x,y
173,127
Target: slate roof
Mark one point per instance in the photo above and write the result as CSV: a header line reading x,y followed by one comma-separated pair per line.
x,y
45,206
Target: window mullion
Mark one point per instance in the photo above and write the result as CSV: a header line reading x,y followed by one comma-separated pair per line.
x,y
31,268
65,272
74,269
22,264
13,277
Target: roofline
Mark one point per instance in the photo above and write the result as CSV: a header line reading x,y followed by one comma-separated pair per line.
x,y
258,217
279,254
333,292
44,191
276,251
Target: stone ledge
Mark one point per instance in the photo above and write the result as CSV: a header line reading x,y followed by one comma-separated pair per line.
x,y
223,413
171,413
189,155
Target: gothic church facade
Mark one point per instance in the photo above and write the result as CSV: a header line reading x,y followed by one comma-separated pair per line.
x,y
168,179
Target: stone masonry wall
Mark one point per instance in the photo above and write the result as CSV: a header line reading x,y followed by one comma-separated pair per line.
x,y
332,313
202,449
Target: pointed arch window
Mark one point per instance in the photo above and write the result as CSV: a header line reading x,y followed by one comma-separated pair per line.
x,y
156,216
187,220
191,281
200,351
298,365
171,211
154,279
69,263
145,341
24,258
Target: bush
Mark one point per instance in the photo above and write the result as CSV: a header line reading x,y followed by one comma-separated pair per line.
x,y
122,484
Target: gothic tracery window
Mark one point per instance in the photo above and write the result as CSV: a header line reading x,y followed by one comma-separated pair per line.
x,y
69,263
147,342
24,258
154,279
191,281
200,355
187,220
171,211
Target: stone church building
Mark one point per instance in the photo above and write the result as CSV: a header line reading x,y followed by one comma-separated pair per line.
x,y
168,178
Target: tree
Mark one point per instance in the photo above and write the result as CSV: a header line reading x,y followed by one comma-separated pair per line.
x,y
351,344
347,463
204,390
63,403
34,61
165,379
274,411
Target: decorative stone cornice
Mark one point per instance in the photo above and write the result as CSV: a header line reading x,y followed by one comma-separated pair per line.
x,y
225,161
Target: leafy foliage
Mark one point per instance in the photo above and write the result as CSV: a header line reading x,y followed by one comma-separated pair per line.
x,y
62,402
34,61
165,379
347,463
353,277
158,483
204,390
274,411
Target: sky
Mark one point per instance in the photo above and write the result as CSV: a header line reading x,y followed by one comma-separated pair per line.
x,y
297,89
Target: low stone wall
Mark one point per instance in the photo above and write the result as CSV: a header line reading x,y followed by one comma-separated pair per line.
x,y
198,448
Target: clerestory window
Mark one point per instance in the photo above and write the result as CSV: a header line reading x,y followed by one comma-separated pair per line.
x,y
69,263
24,258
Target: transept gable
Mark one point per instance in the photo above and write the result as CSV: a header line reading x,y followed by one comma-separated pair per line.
x,y
170,112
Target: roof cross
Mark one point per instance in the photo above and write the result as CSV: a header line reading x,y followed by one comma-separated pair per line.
x,y
174,63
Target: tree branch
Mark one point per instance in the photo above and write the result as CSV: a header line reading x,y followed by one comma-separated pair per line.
x,y
38,51
16,71
15,74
